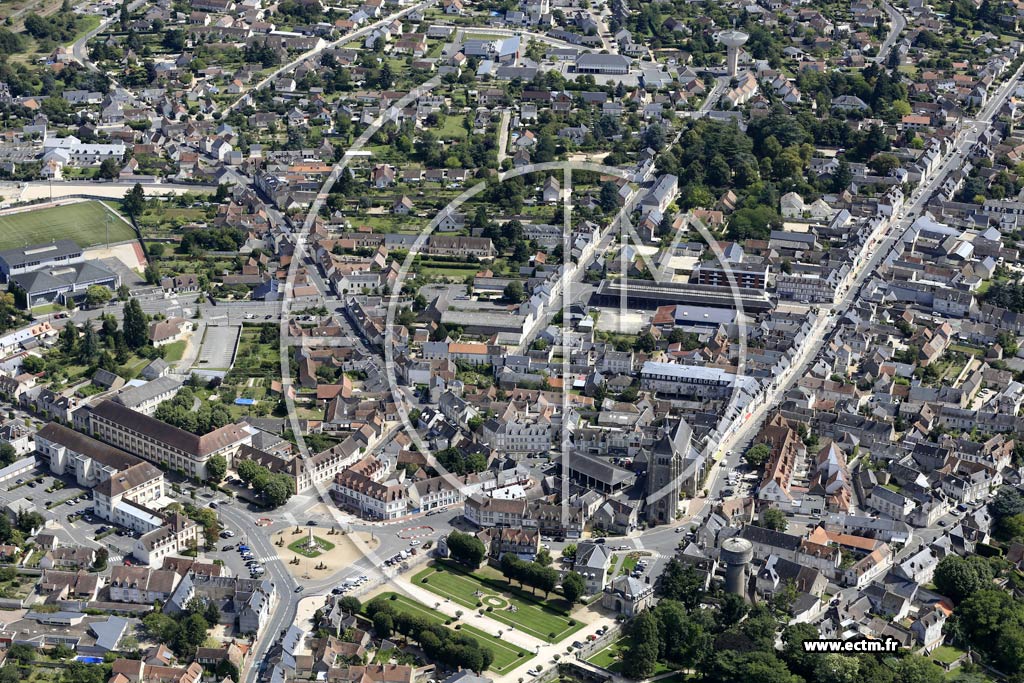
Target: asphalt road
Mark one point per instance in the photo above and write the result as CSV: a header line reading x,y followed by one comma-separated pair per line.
x,y
897,22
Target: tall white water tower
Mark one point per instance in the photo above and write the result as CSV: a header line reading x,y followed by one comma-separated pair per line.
x,y
733,40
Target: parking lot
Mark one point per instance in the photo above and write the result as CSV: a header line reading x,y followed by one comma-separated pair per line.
x,y
70,505
218,348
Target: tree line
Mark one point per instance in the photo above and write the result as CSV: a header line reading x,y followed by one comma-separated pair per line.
x,y
439,643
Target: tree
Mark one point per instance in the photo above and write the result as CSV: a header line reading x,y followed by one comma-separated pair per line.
x,y
681,582
383,626
102,557
7,454
350,604
732,610
654,137
641,655
98,295
569,551
759,454
800,660
775,519
134,201
646,342
514,292
191,636
837,668
884,164
110,168
466,548
609,198
216,468
136,329
958,577
247,470
23,654
68,339
918,670
1006,503
227,669
89,346
277,490
573,587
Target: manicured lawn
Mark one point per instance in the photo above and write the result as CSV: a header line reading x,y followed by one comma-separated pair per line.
x,y
452,272
83,222
629,563
546,620
506,656
299,547
45,309
608,658
174,351
453,127
946,654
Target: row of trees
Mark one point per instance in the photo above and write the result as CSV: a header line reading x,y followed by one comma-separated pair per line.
x,y
532,574
274,489
439,643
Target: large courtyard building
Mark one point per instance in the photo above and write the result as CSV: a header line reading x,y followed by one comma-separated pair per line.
x,y
164,444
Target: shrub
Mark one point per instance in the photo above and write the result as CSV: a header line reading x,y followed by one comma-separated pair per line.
x,y
425,580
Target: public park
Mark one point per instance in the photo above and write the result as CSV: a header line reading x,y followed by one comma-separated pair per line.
x,y
547,619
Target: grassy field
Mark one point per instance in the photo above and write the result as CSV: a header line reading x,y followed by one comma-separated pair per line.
x,y
506,656
174,351
531,615
83,222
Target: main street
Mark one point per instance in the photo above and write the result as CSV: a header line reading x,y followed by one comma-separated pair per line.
x,y
741,433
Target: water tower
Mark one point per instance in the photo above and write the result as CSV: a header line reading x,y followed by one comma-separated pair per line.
x,y
733,41
736,554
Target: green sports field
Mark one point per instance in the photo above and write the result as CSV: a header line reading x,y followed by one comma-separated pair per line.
x,y
528,614
506,655
83,222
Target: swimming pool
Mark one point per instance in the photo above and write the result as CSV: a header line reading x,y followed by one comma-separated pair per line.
x,y
89,660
